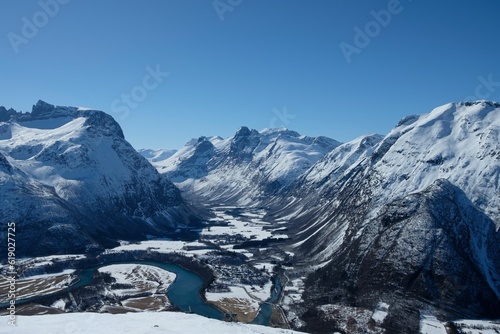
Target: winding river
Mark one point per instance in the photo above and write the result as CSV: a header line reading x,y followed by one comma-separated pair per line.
x,y
182,293
266,310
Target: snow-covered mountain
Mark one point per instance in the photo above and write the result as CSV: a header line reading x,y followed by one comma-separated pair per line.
x,y
72,183
245,168
458,142
156,155
411,219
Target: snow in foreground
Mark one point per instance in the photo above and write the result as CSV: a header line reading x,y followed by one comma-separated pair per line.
x,y
144,322
430,325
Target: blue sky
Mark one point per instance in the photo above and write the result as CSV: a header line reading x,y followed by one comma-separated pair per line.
x,y
338,68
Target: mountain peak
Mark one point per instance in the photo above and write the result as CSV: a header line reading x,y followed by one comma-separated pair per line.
x,y
202,139
445,118
42,105
44,110
243,132
5,114
279,131
493,104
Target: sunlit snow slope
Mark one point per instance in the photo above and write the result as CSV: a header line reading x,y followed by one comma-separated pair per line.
x,y
411,219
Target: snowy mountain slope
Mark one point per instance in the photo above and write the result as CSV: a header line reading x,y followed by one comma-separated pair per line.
x,y
72,182
457,142
309,208
341,159
421,251
244,168
335,206
156,155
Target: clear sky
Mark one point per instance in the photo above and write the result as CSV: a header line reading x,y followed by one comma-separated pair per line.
x,y
339,68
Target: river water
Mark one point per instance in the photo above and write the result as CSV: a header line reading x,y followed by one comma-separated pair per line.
x,y
183,293
266,310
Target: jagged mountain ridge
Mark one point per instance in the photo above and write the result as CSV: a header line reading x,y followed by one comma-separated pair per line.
x,y
243,169
72,183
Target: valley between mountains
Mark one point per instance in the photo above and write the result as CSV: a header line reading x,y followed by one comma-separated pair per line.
x,y
395,233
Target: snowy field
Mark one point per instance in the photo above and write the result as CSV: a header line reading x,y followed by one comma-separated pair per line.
x,y
38,285
133,323
139,274
380,312
430,325
242,299
248,225
164,246
36,264
136,280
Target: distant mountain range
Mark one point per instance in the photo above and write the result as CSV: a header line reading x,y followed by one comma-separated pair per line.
x,y
244,169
